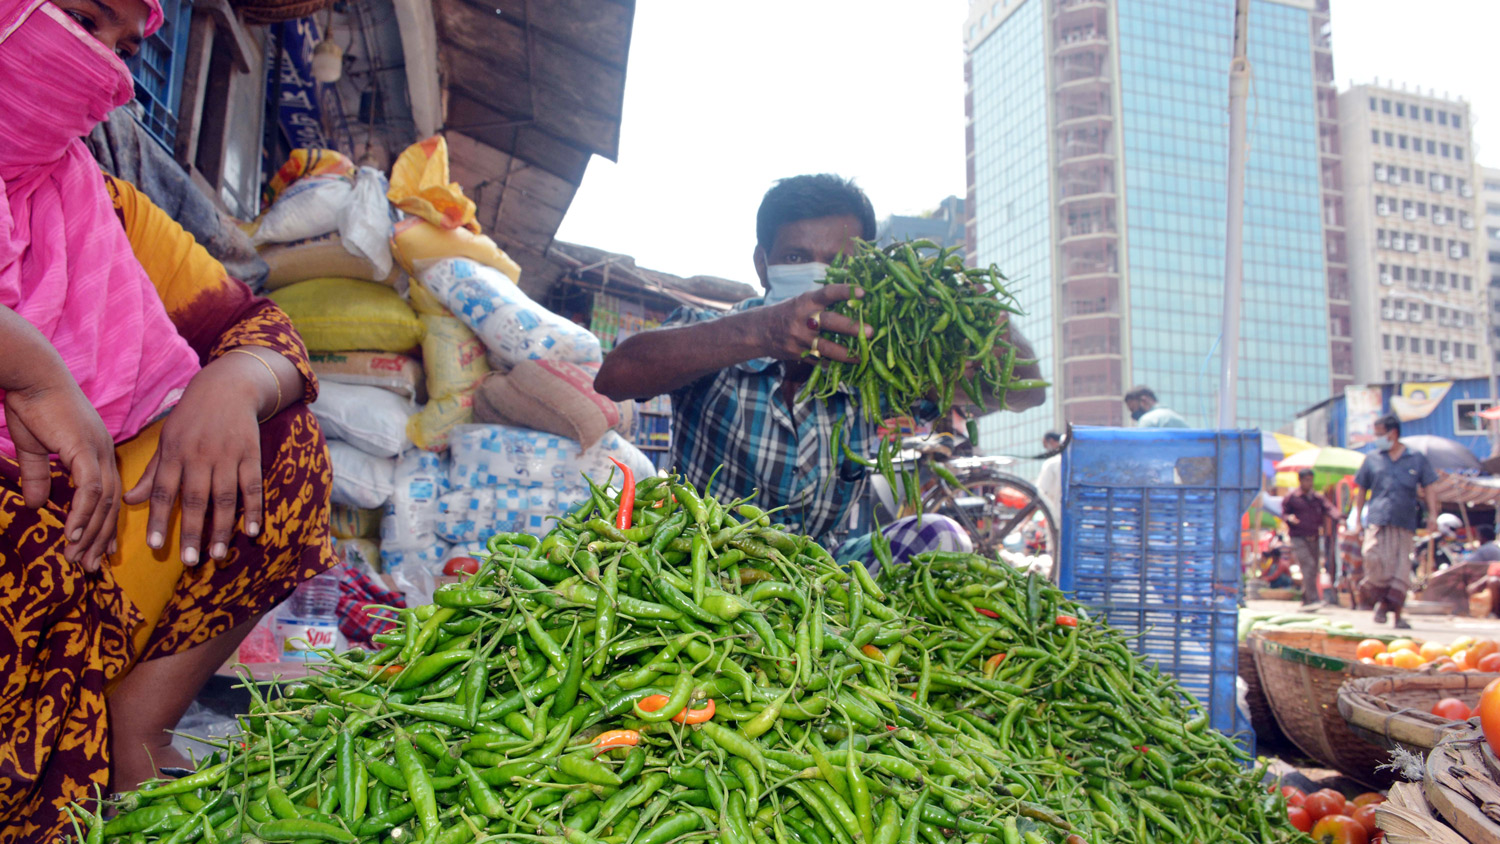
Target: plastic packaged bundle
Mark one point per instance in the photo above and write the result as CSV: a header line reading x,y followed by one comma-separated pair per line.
x,y
410,519
511,325
474,515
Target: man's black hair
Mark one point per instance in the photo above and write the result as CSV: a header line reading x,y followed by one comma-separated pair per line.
x,y
1052,435
1390,423
1306,472
1139,392
808,198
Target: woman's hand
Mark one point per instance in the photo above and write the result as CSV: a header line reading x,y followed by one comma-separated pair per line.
x,y
209,459
56,418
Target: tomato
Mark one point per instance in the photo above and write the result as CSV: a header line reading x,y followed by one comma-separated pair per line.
x,y
1370,648
1299,818
460,565
1490,663
1294,795
1369,798
1365,816
1451,708
1489,714
1339,829
1324,802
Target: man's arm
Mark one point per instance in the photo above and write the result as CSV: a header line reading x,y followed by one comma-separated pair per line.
x,y
1360,496
662,360
1434,507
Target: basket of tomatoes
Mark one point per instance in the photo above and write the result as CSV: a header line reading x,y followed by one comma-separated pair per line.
x,y
1328,816
1301,673
1414,711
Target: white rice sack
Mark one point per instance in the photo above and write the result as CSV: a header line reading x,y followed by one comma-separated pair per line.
x,y
360,479
474,515
410,519
495,455
312,206
513,327
429,558
371,419
365,222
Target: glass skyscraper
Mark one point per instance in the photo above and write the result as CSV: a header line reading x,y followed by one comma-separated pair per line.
x,y
1098,150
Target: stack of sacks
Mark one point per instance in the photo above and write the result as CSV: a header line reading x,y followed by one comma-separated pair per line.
x,y
328,219
366,431
552,396
356,535
511,479
408,528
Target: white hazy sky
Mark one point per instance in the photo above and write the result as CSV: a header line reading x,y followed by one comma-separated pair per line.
x,y
721,99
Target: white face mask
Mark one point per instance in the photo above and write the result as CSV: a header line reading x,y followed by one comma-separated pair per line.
x,y
788,281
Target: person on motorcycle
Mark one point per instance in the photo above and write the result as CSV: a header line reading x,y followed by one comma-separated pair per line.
x,y
734,377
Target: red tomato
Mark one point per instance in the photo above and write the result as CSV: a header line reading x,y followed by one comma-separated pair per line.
x,y
1339,829
1299,818
1369,798
1322,803
460,565
1294,795
1451,708
1365,815
1489,714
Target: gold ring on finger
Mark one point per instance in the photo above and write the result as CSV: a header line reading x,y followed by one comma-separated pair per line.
x,y
814,349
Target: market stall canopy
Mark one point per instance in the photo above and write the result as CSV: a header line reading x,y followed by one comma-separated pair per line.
x,y
1468,490
1444,454
1330,463
601,271
1277,447
525,93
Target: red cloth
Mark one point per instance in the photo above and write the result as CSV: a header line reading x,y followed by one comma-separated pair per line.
x,y
359,594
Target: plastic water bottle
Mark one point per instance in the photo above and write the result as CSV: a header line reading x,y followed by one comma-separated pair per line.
x,y
310,620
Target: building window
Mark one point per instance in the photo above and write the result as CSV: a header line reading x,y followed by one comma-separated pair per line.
x,y
1401,141
1427,114
1430,344
1400,110
1457,122
1442,118
1400,343
1426,277
1427,314
1445,149
1389,141
1464,419
1431,148
1374,136
1468,282
1385,106
1385,342
1469,351
1406,174
1417,177
1372,104
1458,153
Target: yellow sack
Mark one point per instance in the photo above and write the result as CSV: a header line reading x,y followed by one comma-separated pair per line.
x,y
345,315
346,522
418,244
422,300
452,355
308,162
420,186
430,428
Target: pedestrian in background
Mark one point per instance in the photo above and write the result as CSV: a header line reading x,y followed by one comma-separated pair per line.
x,y
1309,517
1393,478
1142,403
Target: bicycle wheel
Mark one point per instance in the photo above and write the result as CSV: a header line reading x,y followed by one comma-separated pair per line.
x,y
992,507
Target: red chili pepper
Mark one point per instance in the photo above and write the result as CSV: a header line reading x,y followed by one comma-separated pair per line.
x,y
627,497
611,739
987,613
1067,621
992,665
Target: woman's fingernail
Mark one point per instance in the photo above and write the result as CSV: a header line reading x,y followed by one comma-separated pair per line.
x,y
114,546
190,556
155,540
218,552
76,535
253,529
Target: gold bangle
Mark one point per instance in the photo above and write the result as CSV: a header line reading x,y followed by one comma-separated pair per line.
x,y
275,380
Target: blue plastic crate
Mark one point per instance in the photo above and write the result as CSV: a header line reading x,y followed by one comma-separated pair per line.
x,y
1151,538
158,71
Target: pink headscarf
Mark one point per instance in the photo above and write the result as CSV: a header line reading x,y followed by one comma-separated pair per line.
x,y
65,264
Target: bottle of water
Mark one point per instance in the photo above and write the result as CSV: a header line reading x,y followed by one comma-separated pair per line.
x,y
309,621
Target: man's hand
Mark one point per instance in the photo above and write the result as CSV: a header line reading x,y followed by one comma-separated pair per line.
x,y
791,329
1291,519
56,418
209,456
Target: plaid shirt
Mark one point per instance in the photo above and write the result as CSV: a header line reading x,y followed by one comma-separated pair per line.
x,y
358,592
735,418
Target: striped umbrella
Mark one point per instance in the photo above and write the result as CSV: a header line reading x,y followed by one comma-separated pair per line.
x,y
1330,463
1275,448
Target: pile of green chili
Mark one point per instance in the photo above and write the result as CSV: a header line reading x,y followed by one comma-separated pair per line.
x,y
663,667
939,326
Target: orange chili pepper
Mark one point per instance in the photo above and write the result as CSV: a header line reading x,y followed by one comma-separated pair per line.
x,y
651,703
1067,621
993,664
873,653
611,739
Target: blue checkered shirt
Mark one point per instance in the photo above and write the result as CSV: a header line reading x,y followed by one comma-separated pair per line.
x,y
735,418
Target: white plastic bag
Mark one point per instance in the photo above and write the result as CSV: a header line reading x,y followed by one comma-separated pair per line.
x,y
312,206
410,520
494,455
474,515
365,224
371,419
512,326
397,561
359,479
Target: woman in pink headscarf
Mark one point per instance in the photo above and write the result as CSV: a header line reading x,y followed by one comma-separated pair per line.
x,y
162,483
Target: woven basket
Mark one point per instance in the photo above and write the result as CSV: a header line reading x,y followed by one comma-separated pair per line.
x,y
276,11
1267,734
1397,710
1460,784
1301,672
